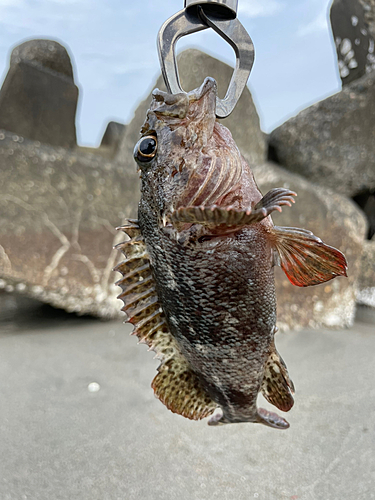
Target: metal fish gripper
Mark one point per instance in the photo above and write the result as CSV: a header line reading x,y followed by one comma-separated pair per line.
x,y
198,15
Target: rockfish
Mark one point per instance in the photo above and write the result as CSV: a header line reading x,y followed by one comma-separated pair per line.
x,y
198,279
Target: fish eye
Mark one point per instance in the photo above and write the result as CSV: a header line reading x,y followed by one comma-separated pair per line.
x,y
146,148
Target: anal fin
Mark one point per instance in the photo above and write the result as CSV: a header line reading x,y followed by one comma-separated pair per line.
x,y
176,385
277,387
305,259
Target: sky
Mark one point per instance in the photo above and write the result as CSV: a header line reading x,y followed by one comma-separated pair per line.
x,y
112,44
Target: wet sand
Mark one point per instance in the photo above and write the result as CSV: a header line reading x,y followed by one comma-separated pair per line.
x,y
79,420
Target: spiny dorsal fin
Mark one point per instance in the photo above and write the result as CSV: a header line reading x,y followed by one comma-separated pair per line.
x,y
176,385
277,387
131,228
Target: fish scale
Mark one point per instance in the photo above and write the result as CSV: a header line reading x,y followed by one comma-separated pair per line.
x,y
198,276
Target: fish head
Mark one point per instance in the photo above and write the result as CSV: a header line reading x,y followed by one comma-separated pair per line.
x,y
180,154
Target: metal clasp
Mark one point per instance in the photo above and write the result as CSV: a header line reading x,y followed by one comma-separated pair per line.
x,y
220,15
226,9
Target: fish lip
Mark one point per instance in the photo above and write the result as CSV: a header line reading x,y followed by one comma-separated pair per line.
x,y
209,85
173,105
177,105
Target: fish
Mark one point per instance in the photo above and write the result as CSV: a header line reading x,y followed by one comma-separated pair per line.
x,y
198,276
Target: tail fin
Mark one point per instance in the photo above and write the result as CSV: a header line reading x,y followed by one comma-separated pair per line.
x,y
271,419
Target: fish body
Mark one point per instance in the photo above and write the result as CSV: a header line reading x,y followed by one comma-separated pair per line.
x,y
206,246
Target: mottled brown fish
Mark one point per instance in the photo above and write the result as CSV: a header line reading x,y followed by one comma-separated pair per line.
x,y
198,279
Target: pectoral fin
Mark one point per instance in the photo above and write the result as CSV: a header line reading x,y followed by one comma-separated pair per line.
x,y
216,216
305,259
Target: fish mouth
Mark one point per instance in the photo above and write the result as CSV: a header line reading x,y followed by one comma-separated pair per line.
x,y
170,105
177,105
209,86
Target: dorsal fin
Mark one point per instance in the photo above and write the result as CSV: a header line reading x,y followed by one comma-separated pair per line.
x,y
176,385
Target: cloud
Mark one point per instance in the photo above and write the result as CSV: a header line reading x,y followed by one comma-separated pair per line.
x,y
320,23
10,3
259,8
47,18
